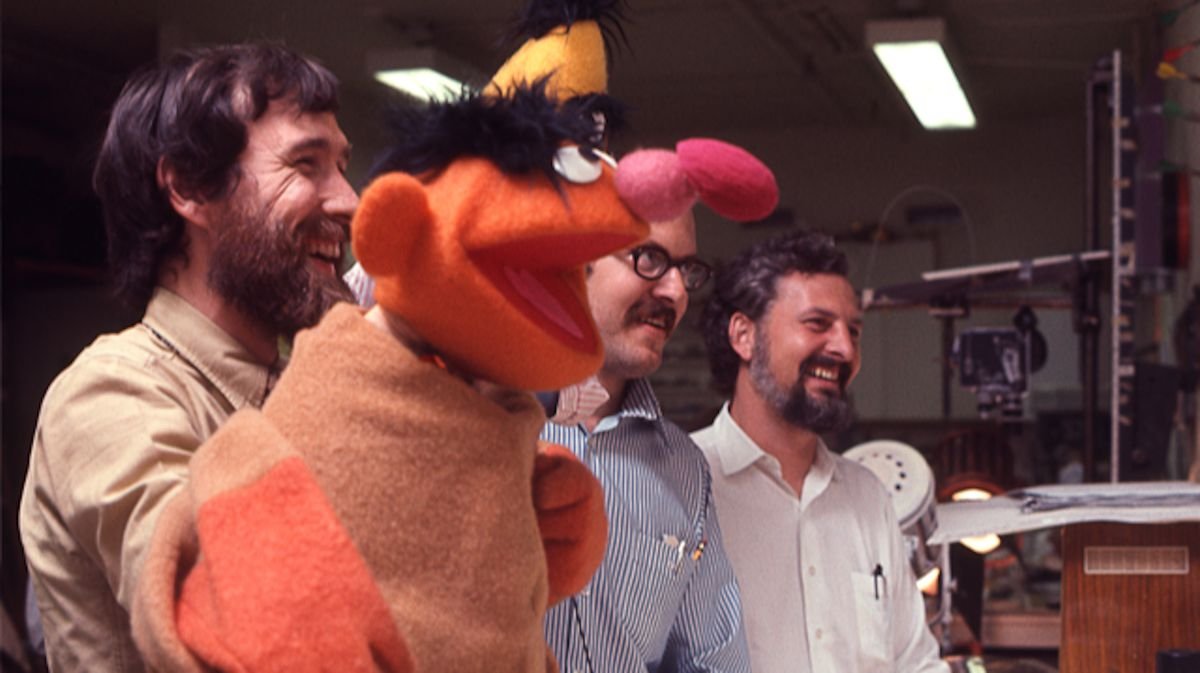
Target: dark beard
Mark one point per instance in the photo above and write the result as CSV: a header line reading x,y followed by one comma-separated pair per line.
x,y
261,269
816,413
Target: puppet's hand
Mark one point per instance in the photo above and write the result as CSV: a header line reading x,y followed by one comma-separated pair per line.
x,y
570,511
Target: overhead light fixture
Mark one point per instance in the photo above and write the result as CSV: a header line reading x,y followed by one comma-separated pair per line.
x,y
422,83
421,72
914,54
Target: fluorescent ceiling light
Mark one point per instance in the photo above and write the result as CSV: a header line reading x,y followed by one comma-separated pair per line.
x,y
914,55
424,73
422,83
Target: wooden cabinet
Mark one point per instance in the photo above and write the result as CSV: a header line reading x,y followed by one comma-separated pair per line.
x,y
1128,591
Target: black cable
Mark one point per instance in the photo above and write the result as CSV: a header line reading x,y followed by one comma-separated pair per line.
x,y
587,655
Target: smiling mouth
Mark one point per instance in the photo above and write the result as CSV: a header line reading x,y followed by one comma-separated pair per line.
x,y
823,373
828,371
656,316
327,253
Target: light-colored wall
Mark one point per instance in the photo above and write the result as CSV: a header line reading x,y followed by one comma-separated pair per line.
x,y
1021,185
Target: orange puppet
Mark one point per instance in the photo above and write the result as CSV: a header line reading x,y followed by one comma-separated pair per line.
x,y
390,507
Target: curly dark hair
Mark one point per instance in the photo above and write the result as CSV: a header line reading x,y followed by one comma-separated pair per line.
x,y
747,284
189,112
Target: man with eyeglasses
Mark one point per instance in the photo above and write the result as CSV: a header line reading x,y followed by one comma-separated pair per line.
x,y
664,599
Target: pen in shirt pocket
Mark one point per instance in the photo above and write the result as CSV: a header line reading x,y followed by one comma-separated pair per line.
x,y
675,544
680,547
877,575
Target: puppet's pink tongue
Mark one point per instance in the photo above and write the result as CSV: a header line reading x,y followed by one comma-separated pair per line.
x,y
528,286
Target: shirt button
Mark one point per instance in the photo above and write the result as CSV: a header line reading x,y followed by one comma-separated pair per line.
x,y
819,634
812,571
586,591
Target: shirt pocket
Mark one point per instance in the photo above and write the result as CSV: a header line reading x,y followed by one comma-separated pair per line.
x,y
873,613
653,572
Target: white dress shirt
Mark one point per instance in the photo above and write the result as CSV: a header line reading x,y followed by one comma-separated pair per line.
x,y
825,580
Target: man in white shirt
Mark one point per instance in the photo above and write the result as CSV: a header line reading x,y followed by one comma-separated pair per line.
x,y
824,574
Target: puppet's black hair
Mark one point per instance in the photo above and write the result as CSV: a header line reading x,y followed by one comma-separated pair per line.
x,y
518,133
542,16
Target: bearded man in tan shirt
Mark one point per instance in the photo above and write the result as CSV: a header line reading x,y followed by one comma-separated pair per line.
x,y
222,176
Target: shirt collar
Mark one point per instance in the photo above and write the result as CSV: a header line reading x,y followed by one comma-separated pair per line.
x,y
823,472
639,402
737,452
211,350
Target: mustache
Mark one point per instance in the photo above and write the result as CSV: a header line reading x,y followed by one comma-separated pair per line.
x,y
323,227
651,309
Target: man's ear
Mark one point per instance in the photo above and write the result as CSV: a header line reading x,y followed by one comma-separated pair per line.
x,y
190,207
741,335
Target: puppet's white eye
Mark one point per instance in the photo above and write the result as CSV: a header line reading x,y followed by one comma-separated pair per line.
x,y
570,163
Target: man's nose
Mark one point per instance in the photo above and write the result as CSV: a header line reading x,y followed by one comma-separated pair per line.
x,y
671,287
340,200
841,342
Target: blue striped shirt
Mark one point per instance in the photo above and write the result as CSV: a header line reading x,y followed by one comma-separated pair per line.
x,y
361,285
665,598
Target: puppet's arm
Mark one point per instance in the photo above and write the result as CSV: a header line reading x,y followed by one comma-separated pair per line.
x,y
570,512
250,570
567,499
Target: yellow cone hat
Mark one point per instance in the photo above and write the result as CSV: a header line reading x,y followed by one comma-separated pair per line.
x,y
572,57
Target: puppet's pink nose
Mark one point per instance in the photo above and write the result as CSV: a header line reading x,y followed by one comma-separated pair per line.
x,y
652,183
728,179
659,185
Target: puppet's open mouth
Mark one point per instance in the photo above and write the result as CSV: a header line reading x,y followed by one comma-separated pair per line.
x,y
543,278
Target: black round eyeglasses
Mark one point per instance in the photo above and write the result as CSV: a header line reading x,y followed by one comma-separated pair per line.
x,y
652,262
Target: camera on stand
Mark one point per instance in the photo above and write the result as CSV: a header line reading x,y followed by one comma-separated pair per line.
x,y
995,363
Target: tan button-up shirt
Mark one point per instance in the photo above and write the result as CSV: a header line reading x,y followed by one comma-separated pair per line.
x,y
114,437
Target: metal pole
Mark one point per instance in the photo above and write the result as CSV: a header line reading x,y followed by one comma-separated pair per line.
x,y
947,372
945,614
1115,336
1087,299
1124,267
